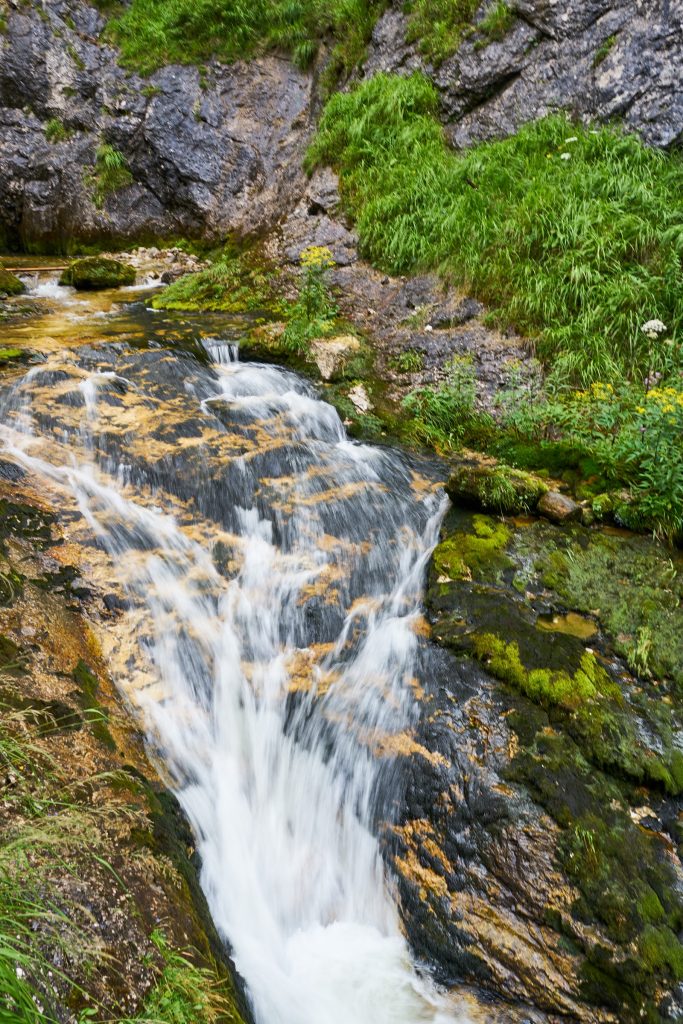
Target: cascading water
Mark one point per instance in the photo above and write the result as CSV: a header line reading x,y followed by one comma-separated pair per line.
x,y
271,574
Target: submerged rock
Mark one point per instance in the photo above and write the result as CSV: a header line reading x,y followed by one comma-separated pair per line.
x,y
95,272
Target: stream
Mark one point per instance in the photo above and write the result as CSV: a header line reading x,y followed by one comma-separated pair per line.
x,y
268,576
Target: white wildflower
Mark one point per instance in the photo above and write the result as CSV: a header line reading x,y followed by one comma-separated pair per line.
x,y
653,328
574,138
565,156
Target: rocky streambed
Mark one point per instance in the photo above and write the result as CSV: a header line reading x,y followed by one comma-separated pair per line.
x,y
536,826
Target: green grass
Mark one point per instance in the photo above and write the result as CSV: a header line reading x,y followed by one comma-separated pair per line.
x,y
439,26
50,950
495,24
574,243
111,173
152,33
56,131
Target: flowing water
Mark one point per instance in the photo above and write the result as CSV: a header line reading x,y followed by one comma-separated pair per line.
x,y
268,573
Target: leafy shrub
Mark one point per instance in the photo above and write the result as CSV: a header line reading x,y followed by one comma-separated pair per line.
x,y
314,311
631,434
571,235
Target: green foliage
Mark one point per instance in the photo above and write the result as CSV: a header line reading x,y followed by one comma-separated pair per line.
x,y
236,282
47,940
152,33
496,23
314,312
630,433
572,235
111,173
56,131
184,993
440,25
409,361
604,50
446,414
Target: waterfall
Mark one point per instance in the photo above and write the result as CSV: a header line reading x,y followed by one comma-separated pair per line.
x,y
271,572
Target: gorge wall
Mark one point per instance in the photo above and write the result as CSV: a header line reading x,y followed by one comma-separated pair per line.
x,y
220,150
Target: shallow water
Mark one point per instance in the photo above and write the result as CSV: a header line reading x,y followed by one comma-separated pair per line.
x,y
271,573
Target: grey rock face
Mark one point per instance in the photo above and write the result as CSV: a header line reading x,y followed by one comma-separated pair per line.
x,y
595,59
207,157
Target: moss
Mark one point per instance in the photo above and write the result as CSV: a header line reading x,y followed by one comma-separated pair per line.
x,y
661,952
622,874
633,585
95,272
494,487
239,281
89,686
10,283
11,355
479,554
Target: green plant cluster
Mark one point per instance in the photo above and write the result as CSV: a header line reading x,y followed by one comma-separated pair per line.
x,y
313,314
445,414
629,434
572,235
440,26
152,33
56,130
111,173
236,282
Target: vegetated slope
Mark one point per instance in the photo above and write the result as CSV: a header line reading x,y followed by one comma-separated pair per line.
x,y
156,32
572,235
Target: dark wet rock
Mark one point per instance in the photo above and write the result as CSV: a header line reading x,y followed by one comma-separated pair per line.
x,y
598,60
525,861
206,158
96,272
455,312
558,507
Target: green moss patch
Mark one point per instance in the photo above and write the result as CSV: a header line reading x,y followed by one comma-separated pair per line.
x,y
96,272
10,283
480,553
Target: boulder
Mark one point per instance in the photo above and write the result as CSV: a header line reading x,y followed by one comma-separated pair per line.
x,y
484,483
558,507
330,354
96,272
10,284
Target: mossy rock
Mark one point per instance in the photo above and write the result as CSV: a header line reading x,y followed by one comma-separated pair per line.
x,y
10,283
493,487
95,272
477,555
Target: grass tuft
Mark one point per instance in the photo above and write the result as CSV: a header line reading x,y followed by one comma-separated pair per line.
x,y
152,33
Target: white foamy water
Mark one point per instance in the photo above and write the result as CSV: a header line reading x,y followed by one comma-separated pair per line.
x,y
278,670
